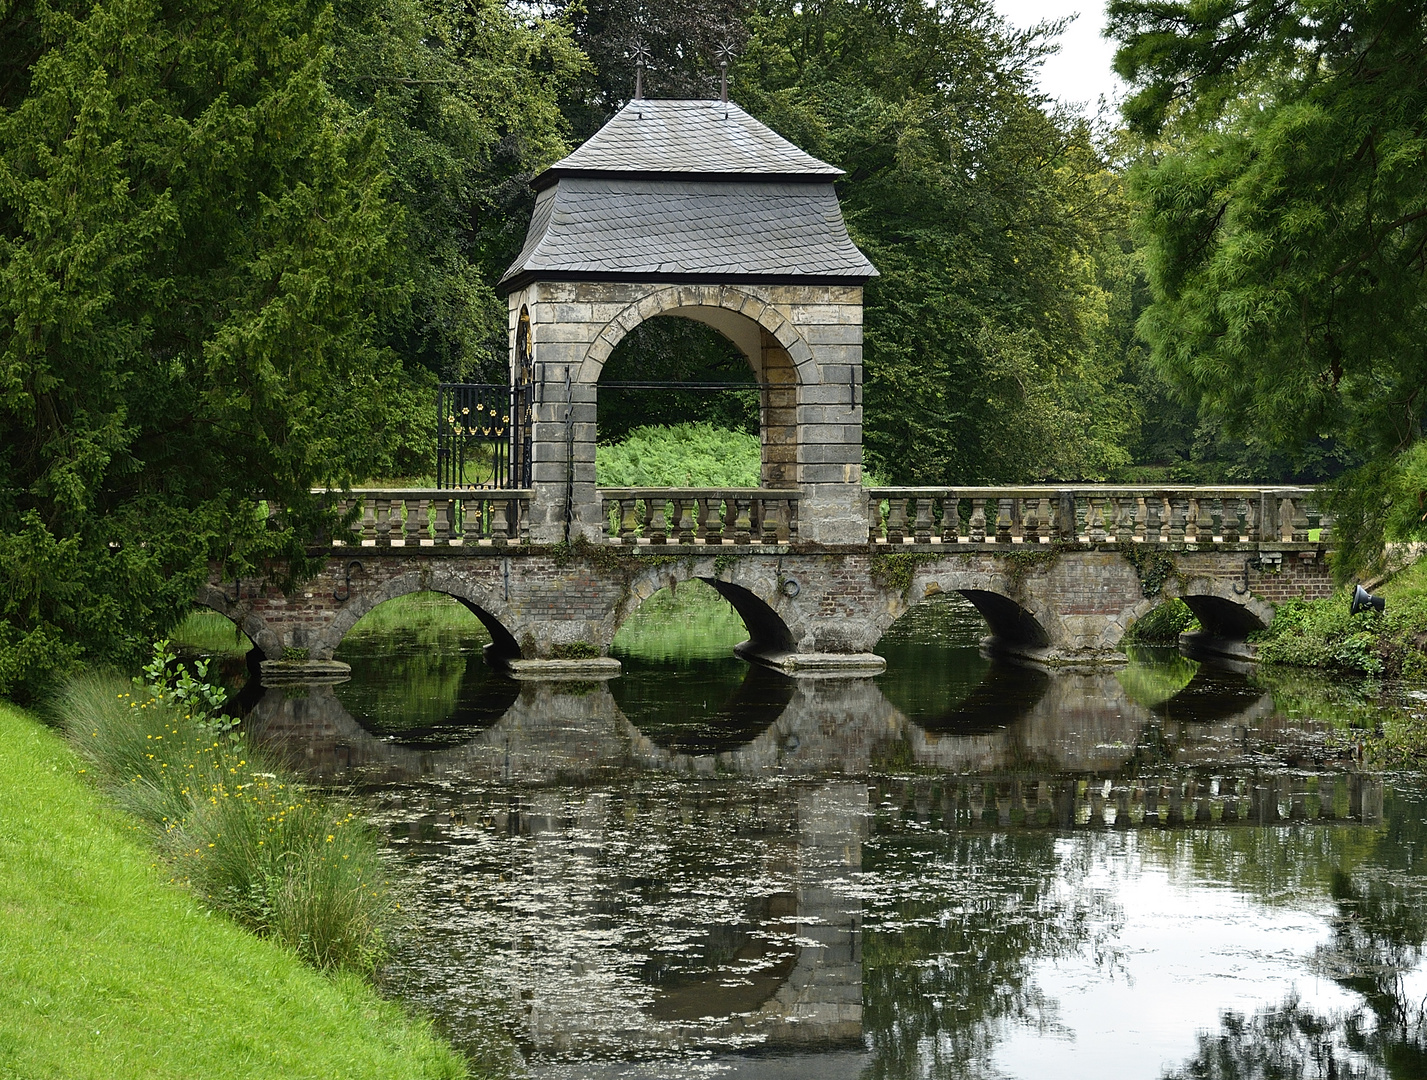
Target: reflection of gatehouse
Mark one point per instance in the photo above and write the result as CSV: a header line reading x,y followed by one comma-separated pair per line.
x,y
693,209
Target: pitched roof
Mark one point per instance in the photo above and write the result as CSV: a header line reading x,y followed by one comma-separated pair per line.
x,y
689,138
658,228
687,190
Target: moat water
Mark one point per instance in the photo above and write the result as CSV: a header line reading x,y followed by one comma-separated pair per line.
x,y
963,868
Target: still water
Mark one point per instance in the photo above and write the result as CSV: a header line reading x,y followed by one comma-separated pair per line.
x,y
962,868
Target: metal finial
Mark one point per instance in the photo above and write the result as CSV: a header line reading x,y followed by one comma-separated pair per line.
x,y
639,53
725,52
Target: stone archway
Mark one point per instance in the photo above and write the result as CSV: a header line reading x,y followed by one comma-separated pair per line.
x,y
779,356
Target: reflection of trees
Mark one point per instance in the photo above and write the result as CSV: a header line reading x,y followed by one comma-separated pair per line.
x,y
1378,939
953,932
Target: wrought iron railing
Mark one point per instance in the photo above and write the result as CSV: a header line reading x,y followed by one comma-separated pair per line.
x,y
483,435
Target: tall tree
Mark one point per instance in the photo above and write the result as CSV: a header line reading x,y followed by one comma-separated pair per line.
x,y
992,216
195,246
1283,204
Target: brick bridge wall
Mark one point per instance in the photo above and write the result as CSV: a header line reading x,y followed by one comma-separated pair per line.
x,y
1071,602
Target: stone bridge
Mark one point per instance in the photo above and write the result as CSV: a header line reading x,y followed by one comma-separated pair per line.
x,y
1058,574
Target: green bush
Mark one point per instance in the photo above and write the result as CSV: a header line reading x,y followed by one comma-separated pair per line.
x,y
1163,625
252,842
680,455
1321,633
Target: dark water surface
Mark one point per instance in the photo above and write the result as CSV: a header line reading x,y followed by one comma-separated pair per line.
x,y
962,868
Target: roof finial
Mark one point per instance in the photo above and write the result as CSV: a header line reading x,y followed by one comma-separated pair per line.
x,y
726,51
639,53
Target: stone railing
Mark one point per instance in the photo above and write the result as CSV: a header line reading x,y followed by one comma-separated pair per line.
x,y
1094,514
700,515
432,517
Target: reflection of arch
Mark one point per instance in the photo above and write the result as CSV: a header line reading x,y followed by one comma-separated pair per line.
x,y
726,308
1005,695
478,602
683,723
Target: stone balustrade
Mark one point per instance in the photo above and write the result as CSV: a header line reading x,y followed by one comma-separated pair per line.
x,y
1094,514
432,517
700,515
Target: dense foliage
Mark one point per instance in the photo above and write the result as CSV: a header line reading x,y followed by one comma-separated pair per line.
x,y
1283,204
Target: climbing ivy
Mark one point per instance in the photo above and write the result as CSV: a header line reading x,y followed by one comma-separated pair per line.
x,y
894,570
1021,561
1153,566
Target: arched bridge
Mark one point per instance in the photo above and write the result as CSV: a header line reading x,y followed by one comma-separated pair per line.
x,y
1059,574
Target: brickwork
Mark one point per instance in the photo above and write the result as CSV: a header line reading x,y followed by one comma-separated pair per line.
x,y
1056,604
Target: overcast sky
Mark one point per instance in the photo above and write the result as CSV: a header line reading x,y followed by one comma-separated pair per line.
x,y
1080,72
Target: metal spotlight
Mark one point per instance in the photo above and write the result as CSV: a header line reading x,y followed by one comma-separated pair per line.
x,y
1364,600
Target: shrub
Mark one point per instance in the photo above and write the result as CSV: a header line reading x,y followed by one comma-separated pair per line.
x,y
681,455
252,842
1163,625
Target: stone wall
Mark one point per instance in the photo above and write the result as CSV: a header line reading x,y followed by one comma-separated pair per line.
x,y
807,339
1072,603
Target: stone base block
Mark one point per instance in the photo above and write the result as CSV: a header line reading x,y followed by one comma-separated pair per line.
x,y
595,668
815,665
276,672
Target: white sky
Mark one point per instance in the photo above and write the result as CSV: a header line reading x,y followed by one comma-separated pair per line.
x,y
1080,72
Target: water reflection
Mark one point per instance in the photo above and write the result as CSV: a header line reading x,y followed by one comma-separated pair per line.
x,y
961,869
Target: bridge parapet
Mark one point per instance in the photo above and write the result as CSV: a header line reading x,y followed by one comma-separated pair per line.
x,y
1094,514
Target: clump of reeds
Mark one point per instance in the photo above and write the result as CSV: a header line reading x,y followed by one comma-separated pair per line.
x,y
252,841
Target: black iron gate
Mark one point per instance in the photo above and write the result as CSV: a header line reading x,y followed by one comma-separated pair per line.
x,y
483,435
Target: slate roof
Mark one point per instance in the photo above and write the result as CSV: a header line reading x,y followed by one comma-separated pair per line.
x,y
691,138
673,190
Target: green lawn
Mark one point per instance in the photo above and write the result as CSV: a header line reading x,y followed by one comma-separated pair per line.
x,y
107,970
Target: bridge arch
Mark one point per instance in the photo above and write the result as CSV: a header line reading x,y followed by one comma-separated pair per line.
x,y
267,640
481,603
1016,619
754,600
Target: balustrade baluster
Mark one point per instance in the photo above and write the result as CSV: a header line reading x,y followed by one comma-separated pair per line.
x,y
978,521
471,521
383,522
897,520
701,519
874,519
500,521
714,531
684,524
1029,524
1193,518
1018,526
1216,520
1124,519
1154,511
445,521
1044,518
1325,527
1095,520
951,519
1251,520
923,528
1300,521
790,522
1230,527
369,520
414,510
769,515
743,523
1003,521
1178,508
656,526
628,520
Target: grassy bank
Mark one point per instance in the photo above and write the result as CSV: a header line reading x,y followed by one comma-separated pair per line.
x,y
1321,634
107,969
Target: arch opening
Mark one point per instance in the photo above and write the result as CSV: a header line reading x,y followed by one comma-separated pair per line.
x,y
768,634
1223,618
212,632
706,348
1010,623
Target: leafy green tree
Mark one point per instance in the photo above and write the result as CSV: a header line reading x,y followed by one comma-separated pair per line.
x,y
994,219
1283,204
195,249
